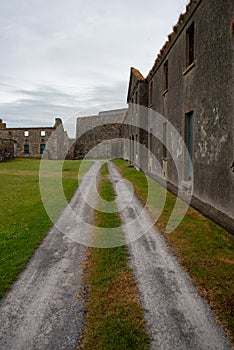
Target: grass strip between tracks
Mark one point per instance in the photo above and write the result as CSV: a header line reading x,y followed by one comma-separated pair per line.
x,y
204,248
114,318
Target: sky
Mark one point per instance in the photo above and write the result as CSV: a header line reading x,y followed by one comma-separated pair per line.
x,y
70,58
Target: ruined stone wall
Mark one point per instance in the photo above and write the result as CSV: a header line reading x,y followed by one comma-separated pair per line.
x,y
98,142
34,142
103,130
6,143
6,149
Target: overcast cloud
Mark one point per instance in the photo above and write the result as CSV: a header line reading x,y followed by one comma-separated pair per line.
x,y
66,58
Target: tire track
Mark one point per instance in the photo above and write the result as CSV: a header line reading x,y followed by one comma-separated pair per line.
x,y
177,317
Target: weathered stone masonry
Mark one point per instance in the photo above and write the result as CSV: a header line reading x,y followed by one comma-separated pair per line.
x,y
191,85
99,136
34,142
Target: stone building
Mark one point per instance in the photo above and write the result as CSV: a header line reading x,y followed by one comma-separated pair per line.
x,y
99,136
35,142
191,87
6,144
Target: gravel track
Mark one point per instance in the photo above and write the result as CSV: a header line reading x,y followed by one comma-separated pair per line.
x,y
44,310
45,307
177,317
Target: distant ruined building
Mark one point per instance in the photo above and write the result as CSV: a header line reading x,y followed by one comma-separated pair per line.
x,y
49,142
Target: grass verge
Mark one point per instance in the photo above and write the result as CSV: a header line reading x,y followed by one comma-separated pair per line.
x,y
24,221
114,318
204,248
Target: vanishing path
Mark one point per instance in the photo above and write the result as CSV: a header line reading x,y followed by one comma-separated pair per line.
x,y
45,307
44,310
177,318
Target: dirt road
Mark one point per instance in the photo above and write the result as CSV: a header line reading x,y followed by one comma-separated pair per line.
x,y
177,318
45,308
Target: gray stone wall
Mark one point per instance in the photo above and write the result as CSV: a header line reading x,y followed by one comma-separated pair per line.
x,y
33,140
97,142
203,88
98,136
6,149
30,141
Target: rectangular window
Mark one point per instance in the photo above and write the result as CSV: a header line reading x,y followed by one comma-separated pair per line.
x,y
26,149
165,71
190,45
42,148
42,133
189,143
26,133
165,141
151,94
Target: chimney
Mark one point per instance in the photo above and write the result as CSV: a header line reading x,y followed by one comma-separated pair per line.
x,y
58,121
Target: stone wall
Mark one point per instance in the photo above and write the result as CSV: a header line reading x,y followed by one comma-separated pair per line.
x,y
99,136
6,149
36,142
192,80
6,143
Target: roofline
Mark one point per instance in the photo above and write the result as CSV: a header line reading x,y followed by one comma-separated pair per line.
x,y
172,37
140,79
121,111
34,128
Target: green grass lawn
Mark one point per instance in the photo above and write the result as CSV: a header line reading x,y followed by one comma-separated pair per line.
x,y
114,318
24,221
204,248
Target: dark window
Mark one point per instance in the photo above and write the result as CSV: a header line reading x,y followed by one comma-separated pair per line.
x,y
189,143
26,149
165,140
151,93
165,71
42,147
190,45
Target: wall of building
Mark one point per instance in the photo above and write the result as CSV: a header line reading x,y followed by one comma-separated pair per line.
x,y
6,143
202,88
35,142
103,130
6,149
134,126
